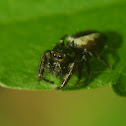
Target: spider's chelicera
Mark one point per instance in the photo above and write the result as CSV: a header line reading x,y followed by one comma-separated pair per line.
x,y
65,59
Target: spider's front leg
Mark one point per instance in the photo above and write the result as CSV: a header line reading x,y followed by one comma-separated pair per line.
x,y
67,76
42,66
63,38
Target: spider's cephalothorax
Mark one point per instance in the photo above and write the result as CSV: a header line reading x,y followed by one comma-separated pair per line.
x,y
65,59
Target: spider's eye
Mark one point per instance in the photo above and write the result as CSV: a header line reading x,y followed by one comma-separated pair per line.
x,y
54,54
60,56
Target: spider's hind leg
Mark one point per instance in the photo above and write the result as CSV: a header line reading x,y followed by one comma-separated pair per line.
x,y
100,58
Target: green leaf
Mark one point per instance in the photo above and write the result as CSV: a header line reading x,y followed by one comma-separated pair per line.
x,y
28,29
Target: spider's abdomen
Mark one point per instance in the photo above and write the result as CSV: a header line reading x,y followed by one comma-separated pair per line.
x,y
90,41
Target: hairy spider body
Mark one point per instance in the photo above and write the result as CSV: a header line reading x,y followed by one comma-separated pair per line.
x,y
65,59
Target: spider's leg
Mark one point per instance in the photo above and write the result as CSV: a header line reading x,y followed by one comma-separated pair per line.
x,y
85,58
42,66
67,76
80,68
102,60
62,39
88,71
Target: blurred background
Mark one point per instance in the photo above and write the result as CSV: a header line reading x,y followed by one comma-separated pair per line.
x,y
95,107
29,27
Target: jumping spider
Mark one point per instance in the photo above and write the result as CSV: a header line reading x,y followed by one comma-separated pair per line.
x,y
65,59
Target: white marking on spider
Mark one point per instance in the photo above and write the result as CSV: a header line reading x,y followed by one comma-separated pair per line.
x,y
83,40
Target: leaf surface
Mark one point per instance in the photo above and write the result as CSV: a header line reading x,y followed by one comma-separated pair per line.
x,y
26,34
